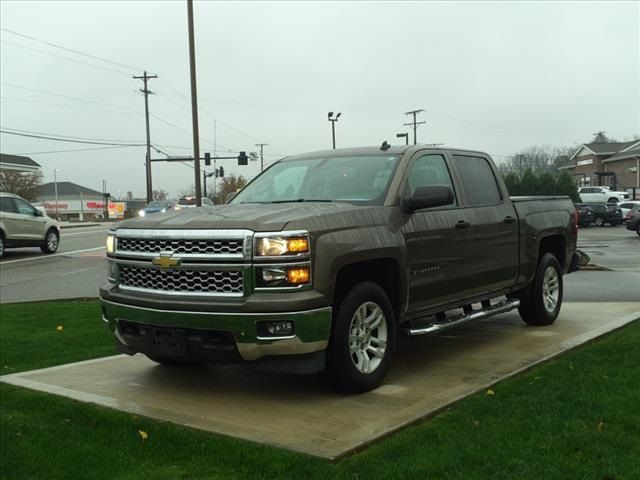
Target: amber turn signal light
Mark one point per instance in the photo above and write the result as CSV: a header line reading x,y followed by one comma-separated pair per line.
x,y
297,276
298,245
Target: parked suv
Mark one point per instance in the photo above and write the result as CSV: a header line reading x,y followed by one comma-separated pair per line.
x,y
601,195
604,214
23,225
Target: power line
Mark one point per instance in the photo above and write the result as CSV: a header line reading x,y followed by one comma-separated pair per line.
x,y
76,150
64,58
77,99
72,137
58,139
77,52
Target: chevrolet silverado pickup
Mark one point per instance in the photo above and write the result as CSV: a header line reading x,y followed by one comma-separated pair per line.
x,y
324,259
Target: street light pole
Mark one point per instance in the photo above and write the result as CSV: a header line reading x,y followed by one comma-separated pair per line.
x,y
55,188
194,103
406,137
333,127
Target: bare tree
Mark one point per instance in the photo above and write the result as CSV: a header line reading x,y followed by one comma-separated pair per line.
x,y
538,159
600,137
159,194
22,184
228,185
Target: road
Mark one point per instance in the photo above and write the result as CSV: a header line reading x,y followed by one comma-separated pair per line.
x,y
78,269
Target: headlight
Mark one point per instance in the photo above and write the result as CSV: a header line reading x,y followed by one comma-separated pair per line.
x,y
163,210
111,243
142,213
276,245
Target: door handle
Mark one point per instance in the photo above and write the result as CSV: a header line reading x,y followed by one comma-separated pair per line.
x,y
463,225
509,219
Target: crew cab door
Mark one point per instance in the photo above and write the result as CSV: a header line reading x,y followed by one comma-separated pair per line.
x,y
435,247
491,226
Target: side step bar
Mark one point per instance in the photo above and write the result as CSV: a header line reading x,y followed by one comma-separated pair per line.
x,y
501,307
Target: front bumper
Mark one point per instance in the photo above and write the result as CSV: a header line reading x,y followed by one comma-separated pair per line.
x,y
312,329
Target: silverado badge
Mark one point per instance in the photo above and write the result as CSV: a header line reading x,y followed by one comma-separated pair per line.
x,y
165,261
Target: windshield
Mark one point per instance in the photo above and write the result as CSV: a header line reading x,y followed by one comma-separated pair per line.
x,y
355,179
157,204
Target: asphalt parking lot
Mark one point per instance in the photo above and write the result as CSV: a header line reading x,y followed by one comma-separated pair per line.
x,y
27,275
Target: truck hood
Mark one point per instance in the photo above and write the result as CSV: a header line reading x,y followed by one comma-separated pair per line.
x,y
252,216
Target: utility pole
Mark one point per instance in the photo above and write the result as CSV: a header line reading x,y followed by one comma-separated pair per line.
x,y
194,103
414,124
146,92
262,145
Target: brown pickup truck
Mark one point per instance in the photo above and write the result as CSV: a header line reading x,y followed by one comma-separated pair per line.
x,y
324,259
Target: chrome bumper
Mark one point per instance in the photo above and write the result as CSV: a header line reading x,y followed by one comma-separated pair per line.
x,y
312,327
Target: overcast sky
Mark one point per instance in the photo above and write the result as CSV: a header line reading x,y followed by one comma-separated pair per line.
x,y
496,76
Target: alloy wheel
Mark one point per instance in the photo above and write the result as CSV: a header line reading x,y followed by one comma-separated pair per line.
x,y
368,337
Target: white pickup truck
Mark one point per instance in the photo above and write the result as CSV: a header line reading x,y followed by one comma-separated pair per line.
x,y
601,195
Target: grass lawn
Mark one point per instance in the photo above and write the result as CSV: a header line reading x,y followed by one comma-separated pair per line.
x,y
577,417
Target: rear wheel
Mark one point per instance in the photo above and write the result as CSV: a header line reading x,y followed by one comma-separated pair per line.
x,y
51,242
612,200
1,244
362,340
599,222
540,303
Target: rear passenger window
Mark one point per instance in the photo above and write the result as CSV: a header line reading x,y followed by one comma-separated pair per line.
x,y
7,205
478,181
429,170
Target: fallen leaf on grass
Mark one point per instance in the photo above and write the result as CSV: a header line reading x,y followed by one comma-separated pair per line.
x,y
476,423
490,392
600,427
144,435
59,328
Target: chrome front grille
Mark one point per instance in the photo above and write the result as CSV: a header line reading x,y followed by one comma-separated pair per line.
x,y
181,246
182,281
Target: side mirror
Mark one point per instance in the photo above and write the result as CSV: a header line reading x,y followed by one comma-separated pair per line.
x,y
38,213
427,197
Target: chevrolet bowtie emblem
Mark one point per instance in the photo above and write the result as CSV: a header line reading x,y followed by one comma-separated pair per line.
x,y
165,261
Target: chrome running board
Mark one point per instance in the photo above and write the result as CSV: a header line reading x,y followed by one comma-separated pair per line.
x,y
502,307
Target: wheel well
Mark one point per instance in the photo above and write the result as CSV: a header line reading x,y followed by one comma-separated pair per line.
x,y
555,244
613,200
384,271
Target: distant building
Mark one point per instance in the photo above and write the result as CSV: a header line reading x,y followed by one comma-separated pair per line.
x,y
74,201
16,163
616,165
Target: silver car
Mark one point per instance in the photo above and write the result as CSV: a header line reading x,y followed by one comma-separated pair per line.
x,y
23,225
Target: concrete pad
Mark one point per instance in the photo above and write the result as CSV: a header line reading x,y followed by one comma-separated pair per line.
x,y
301,413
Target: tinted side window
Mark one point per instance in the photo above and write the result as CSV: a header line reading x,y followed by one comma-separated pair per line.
x,y
429,170
24,207
7,205
478,181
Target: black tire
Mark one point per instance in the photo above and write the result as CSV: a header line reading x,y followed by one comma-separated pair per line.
x,y
50,244
599,222
341,362
638,229
612,200
533,309
1,244
170,362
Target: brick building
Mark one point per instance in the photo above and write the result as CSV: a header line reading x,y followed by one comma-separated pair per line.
x,y
616,165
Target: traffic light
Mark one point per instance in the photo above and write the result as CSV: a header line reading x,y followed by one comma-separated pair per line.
x,y
221,172
207,159
243,159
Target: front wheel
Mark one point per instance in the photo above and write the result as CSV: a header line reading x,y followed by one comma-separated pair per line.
x,y
51,242
599,222
540,303
363,339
